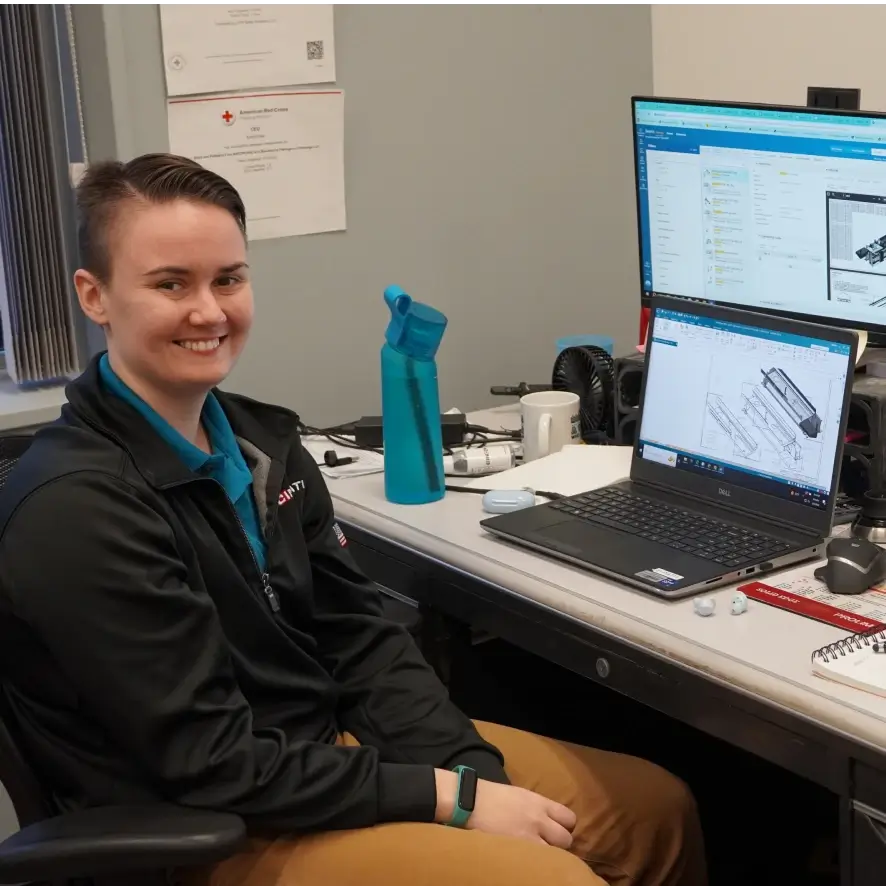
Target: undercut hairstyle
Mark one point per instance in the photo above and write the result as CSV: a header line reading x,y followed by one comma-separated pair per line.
x,y
151,178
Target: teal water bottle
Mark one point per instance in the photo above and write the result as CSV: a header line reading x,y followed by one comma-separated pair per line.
x,y
410,401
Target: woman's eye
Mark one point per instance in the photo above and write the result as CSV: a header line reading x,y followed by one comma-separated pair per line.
x,y
227,281
170,286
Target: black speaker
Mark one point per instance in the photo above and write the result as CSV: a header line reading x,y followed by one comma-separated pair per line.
x,y
628,372
864,462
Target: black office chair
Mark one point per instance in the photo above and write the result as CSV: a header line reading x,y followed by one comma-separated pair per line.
x,y
103,846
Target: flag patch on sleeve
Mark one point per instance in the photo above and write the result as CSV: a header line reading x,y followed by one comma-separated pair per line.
x,y
340,535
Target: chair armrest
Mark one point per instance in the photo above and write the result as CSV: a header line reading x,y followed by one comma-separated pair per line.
x,y
117,840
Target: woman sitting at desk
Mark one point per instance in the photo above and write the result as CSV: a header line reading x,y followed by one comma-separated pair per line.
x,y
189,625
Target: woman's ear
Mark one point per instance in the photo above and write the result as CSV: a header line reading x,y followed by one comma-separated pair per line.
x,y
89,293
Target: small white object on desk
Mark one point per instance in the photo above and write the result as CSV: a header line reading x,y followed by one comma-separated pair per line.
x,y
479,459
503,501
704,606
739,603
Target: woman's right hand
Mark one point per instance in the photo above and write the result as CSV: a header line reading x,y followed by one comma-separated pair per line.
x,y
510,811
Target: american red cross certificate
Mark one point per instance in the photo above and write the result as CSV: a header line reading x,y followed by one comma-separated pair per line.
x,y
282,150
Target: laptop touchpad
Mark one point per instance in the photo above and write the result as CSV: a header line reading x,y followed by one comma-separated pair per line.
x,y
581,539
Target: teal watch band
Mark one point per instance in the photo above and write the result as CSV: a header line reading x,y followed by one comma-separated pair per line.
x,y
465,796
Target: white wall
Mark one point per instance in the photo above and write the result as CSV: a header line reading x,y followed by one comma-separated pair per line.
x,y
768,53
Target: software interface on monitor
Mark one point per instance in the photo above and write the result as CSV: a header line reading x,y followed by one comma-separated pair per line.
x,y
776,209
753,407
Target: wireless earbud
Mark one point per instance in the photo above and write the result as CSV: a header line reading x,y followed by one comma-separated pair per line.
x,y
331,459
704,606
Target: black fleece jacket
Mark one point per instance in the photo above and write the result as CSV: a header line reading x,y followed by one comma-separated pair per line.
x,y
144,656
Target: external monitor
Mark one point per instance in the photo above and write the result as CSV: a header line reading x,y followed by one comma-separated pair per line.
x,y
775,209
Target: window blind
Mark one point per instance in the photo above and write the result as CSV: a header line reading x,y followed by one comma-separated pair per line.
x,y
37,226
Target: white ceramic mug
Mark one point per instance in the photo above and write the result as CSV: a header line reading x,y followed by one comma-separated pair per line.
x,y
551,421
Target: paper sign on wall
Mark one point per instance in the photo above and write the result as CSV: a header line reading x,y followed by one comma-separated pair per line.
x,y
282,150
215,48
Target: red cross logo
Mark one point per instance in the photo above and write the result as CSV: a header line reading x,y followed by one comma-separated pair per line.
x,y
228,117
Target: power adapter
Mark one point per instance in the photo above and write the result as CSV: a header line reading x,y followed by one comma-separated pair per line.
x,y
368,430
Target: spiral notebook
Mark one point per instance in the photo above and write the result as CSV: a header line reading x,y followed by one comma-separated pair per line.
x,y
854,661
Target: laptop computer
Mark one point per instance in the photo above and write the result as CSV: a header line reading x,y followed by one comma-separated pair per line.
x,y
736,462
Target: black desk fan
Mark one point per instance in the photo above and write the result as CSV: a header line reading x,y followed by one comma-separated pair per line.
x,y
588,371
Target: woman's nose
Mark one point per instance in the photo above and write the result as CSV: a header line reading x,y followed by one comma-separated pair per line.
x,y
207,311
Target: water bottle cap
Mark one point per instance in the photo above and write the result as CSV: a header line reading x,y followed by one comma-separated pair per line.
x,y
415,330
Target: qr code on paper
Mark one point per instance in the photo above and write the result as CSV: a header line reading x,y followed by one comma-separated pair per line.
x,y
315,51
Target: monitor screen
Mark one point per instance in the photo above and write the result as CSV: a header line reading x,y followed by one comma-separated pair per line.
x,y
753,406
766,208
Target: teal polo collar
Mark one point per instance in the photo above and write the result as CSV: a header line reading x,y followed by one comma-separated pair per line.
x,y
226,464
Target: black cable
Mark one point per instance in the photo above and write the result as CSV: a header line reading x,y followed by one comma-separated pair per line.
x,y
350,444
482,476
346,428
335,435
500,432
553,496
340,435
482,440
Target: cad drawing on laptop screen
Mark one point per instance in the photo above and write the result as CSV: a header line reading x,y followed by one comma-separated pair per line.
x,y
747,404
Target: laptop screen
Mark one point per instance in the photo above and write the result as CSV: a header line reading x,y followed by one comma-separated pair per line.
x,y
749,405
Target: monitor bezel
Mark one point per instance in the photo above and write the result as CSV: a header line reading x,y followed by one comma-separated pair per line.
x,y
776,509
876,332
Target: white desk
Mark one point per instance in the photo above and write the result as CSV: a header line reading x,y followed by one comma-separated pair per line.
x,y
744,679
763,654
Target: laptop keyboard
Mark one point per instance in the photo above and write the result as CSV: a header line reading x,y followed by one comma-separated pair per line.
x,y
704,537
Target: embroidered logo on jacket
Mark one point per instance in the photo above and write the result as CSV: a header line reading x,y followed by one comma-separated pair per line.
x,y
340,535
289,492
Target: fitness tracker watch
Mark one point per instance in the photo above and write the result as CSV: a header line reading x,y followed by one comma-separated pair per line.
x,y
465,796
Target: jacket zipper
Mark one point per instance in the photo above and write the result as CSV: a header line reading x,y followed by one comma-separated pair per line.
x,y
269,593
267,590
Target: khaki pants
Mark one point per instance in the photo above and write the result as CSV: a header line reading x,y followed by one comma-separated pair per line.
x,y
637,826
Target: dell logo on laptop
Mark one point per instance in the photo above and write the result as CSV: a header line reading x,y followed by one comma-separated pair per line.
x,y
723,491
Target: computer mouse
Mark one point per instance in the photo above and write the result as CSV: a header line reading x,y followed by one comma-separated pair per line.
x,y
853,566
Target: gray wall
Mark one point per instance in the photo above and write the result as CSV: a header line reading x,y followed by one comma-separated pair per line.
x,y
488,171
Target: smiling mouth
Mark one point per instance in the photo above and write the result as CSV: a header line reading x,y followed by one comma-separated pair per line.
x,y
201,345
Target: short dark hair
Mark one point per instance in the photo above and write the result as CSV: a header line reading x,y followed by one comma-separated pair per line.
x,y
155,178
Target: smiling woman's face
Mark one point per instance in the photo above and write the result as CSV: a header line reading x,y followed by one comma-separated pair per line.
x,y
177,306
